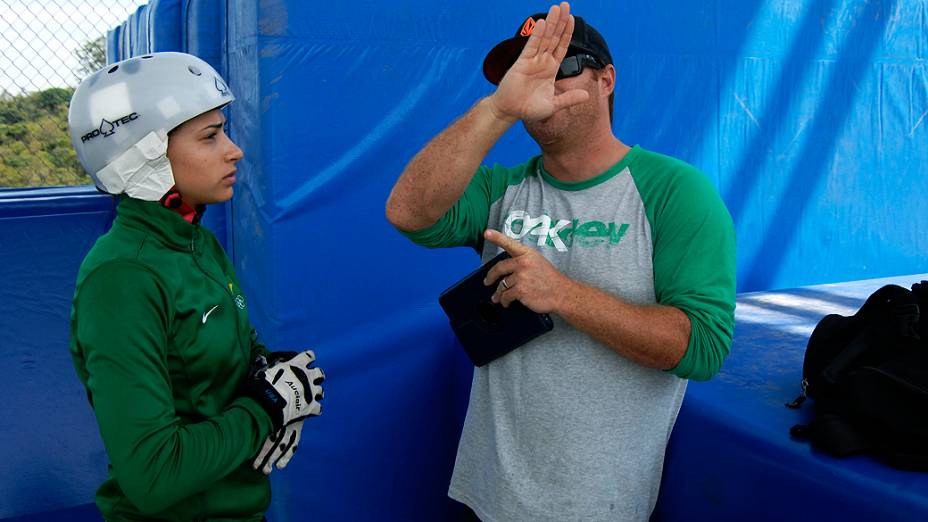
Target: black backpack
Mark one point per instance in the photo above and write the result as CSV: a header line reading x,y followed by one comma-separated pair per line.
x,y
868,377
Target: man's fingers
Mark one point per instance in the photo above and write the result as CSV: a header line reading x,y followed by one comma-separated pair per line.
x,y
504,295
507,296
571,97
558,21
501,269
562,25
506,243
564,42
550,36
534,41
548,32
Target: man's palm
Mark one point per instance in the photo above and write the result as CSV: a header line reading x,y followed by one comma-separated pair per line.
x,y
527,89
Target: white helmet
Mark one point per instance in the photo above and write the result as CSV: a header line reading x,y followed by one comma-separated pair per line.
x,y
120,116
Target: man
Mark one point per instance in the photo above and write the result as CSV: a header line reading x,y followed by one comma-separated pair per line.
x,y
630,251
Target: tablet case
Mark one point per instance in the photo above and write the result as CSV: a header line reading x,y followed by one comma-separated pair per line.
x,y
486,329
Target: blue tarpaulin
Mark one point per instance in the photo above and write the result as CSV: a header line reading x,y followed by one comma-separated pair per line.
x,y
808,116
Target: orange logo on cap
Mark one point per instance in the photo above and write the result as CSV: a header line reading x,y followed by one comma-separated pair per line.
x,y
528,27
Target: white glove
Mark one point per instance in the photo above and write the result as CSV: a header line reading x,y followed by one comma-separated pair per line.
x,y
289,390
279,448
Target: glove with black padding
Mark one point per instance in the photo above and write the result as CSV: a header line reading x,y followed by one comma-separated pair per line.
x,y
289,390
279,448
280,445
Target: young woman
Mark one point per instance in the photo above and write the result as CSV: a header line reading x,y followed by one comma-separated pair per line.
x,y
188,409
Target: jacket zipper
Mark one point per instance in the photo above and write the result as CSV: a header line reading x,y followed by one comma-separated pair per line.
x,y
193,251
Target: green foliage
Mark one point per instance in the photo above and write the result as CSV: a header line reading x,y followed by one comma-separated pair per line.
x,y
35,147
91,57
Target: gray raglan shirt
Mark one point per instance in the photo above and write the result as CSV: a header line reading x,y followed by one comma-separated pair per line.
x,y
564,428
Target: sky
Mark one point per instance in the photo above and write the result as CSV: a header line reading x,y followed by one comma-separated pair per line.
x,y
38,39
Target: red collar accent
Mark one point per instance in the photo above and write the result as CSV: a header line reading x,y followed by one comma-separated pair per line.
x,y
174,201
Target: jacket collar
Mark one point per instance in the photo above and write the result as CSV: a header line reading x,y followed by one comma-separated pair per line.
x,y
163,223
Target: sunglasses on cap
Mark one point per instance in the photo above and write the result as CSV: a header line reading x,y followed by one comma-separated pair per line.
x,y
573,65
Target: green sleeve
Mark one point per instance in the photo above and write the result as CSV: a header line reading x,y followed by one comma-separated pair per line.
x,y
463,224
694,261
156,459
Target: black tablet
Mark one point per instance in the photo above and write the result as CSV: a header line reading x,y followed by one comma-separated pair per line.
x,y
486,329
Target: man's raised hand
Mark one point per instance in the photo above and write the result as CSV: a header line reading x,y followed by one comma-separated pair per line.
x,y
527,90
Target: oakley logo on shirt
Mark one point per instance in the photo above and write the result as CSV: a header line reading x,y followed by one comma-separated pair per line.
x,y
563,233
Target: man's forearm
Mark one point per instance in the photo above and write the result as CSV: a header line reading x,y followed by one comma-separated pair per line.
x,y
655,336
437,176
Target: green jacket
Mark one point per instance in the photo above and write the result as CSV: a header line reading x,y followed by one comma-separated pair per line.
x,y
160,338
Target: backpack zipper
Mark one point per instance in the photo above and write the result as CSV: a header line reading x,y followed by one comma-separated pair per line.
x,y
797,402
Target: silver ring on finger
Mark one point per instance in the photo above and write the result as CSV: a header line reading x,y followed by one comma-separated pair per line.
x,y
505,284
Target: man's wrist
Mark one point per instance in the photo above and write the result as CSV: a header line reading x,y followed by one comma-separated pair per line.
x,y
489,104
567,296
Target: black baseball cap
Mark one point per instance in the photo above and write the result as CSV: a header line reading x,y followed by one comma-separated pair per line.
x,y
585,39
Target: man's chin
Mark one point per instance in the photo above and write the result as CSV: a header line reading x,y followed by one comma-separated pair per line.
x,y
543,121
542,132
